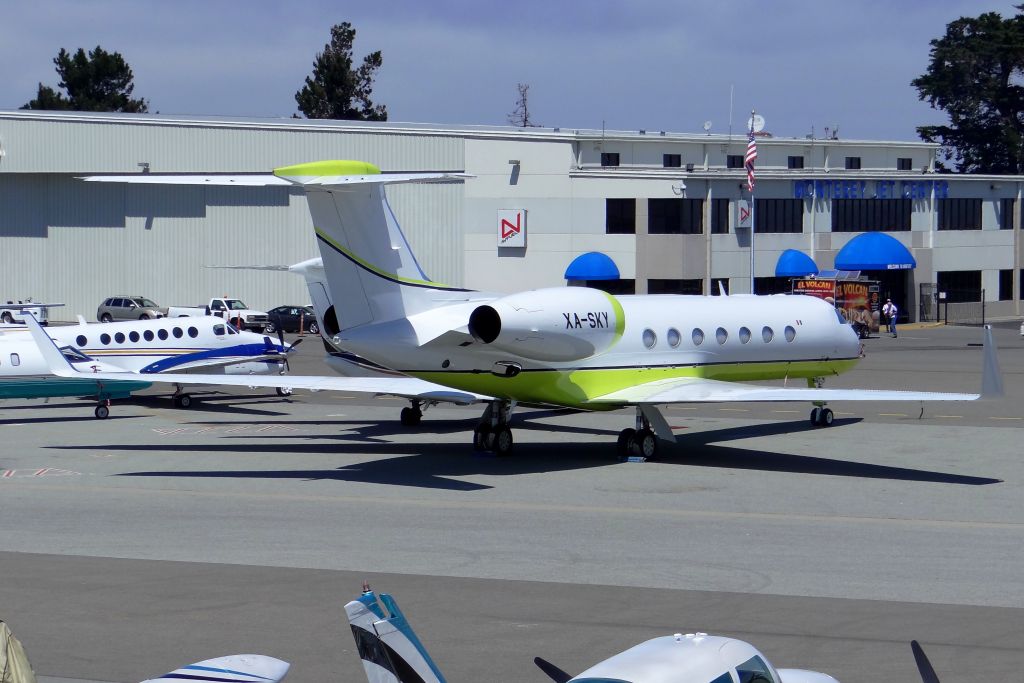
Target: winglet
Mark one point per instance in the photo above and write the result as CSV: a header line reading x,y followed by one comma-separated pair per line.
x,y
991,375
55,360
240,668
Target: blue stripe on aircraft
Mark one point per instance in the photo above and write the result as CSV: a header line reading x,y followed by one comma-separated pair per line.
x,y
208,354
196,667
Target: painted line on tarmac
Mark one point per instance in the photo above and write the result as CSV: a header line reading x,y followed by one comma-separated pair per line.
x,y
892,414
995,417
950,417
43,472
554,508
786,411
735,410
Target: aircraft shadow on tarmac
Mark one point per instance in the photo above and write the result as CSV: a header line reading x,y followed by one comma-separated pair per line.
x,y
433,465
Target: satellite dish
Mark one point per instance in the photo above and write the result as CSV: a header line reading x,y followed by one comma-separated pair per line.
x,y
755,123
707,126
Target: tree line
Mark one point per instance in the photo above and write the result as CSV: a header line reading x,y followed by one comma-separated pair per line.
x,y
974,75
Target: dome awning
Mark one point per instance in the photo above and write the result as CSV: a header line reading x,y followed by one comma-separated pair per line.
x,y
793,263
592,266
875,251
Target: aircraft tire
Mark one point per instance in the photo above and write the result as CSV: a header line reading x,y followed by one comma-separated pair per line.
x,y
410,417
501,441
816,417
826,417
183,401
284,391
623,443
102,412
480,434
644,444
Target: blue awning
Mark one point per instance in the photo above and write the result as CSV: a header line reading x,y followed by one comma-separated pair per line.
x,y
793,263
875,251
592,266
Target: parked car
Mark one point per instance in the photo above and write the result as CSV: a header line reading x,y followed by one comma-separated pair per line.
x,y
14,312
128,308
292,319
233,310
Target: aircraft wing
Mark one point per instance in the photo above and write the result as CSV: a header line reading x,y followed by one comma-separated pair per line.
x,y
235,668
697,390
406,387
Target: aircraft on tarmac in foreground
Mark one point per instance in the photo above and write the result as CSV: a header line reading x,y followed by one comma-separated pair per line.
x,y
205,345
570,347
391,653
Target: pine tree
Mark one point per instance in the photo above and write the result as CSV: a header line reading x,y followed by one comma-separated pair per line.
x,y
337,91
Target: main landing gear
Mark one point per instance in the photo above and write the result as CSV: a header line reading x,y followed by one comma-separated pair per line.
x,y
411,416
638,442
181,399
102,411
820,415
492,432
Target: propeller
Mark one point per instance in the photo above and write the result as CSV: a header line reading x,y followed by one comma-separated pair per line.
x,y
287,348
923,665
553,672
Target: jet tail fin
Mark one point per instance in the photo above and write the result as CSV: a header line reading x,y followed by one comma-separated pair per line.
x,y
387,645
55,360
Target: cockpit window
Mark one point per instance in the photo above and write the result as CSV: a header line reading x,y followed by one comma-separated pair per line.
x,y
724,678
74,355
755,670
231,328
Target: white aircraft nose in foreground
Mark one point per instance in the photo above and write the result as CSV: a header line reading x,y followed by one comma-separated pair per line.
x,y
569,347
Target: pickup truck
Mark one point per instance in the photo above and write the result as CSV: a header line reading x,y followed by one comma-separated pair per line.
x,y
233,310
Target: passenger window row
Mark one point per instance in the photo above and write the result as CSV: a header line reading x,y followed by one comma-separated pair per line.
x,y
133,336
674,338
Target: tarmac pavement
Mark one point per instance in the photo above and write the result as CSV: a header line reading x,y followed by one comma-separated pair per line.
x,y
160,537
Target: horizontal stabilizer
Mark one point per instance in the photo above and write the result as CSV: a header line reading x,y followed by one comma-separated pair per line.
x,y
242,180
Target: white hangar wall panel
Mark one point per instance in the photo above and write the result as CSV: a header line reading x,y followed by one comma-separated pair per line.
x,y
118,144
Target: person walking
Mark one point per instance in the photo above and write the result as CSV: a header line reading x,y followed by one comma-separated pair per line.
x,y
890,311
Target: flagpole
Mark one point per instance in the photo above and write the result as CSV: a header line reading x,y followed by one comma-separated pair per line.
x,y
749,163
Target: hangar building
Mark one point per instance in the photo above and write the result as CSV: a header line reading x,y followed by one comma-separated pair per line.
x,y
671,211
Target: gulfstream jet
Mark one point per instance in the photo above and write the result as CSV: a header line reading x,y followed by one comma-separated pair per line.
x,y
570,347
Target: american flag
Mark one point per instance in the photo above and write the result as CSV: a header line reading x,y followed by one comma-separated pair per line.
x,y
748,160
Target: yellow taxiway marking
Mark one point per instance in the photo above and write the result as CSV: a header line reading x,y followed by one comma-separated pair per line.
x,y
994,417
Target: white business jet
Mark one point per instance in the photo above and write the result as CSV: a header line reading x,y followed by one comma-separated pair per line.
x,y
134,350
391,653
570,347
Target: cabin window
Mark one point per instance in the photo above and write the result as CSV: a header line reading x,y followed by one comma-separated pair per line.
x,y
767,334
193,332
119,337
721,335
744,335
134,336
790,333
218,330
81,340
148,335
104,338
649,338
162,334
697,336
177,333
15,359
673,337
755,670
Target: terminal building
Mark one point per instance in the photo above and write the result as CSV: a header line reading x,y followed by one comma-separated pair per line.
x,y
665,212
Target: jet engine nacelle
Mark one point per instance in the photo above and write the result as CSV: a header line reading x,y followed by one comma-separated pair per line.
x,y
557,324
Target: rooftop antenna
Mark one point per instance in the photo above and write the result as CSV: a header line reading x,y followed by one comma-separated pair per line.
x,y
731,89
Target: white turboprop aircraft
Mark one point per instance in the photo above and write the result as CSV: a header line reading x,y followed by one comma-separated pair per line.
x,y
570,347
391,653
134,349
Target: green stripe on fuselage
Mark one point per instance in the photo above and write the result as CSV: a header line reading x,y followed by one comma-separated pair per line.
x,y
575,388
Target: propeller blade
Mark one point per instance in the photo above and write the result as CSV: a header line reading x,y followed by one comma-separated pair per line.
x,y
280,336
923,665
553,672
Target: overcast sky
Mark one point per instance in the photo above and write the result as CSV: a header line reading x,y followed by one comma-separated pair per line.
x,y
652,64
